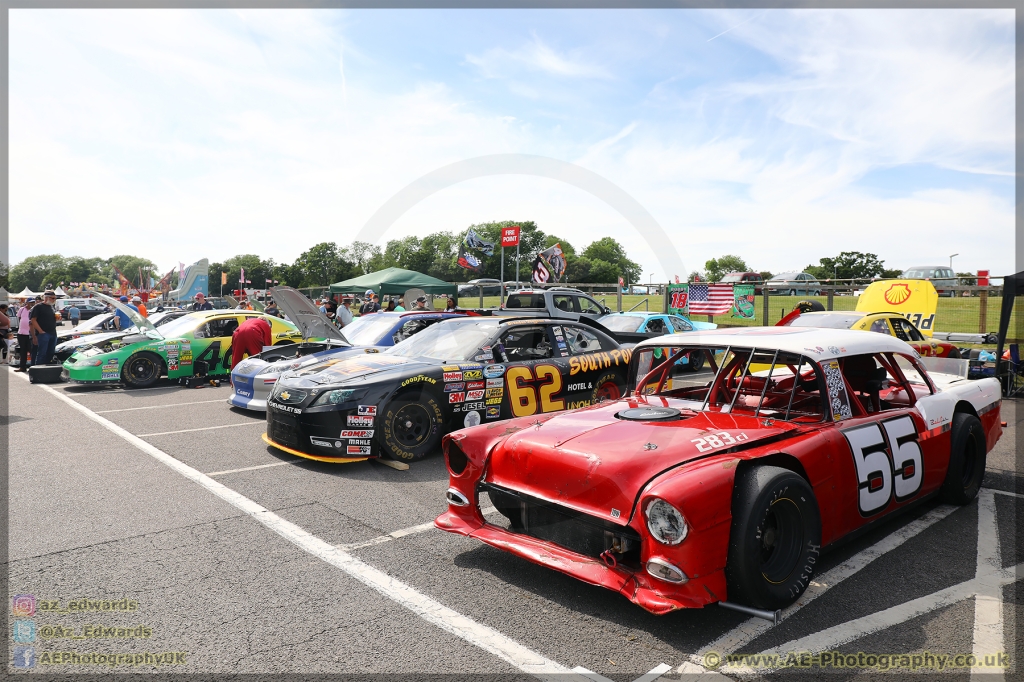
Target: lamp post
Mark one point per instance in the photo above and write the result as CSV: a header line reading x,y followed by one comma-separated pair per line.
x,y
951,260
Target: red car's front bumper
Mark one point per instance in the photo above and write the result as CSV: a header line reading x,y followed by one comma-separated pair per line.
x,y
657,596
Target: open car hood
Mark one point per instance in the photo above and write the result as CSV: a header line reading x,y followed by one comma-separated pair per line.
x,y
306,315
138,320
594,462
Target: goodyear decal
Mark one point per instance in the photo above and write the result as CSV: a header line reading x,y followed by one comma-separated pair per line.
x,y
419,379
596,361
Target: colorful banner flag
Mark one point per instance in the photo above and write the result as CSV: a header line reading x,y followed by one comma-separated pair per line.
x,y
549,265
710,299
474,241
678,299
241,276
743,301
468,261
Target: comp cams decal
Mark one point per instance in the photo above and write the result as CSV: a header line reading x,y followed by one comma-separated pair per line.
x,y
347,433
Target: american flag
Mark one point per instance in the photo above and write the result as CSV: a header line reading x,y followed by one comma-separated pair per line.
x,y
710,299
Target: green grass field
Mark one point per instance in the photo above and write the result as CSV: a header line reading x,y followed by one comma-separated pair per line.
x,y
952,315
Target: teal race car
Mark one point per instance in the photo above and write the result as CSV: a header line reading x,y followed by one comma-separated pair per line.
x,y
635,326
198,343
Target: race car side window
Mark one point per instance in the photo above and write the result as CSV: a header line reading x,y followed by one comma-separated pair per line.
x,y
656,325
588,306
680,325
523,344
581,340
563,303
881,326
915,375
219,328
905,330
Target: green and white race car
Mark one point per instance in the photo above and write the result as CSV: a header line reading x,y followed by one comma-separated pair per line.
x,y
197,343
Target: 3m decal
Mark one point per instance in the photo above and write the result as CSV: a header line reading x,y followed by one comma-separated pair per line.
x,y
494,371
495,383
367,410
357,450
453,376
419,379
457,386
356,434
354,420
472,419
527,386
595,361
888,460
493,412
456,397
494,393
474,385
474,395
472,374
717,440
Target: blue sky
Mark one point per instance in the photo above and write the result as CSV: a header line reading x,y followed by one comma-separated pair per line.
x,y
779,135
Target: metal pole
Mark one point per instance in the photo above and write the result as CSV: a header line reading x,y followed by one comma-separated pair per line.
x,y
517,261
501,287
618,297
764,294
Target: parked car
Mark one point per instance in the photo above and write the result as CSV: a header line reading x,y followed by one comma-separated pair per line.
x,y
554,302
794,284
744,278
87,307
491,287
940,276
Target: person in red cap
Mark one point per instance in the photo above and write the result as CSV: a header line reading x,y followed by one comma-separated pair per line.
x,y
249,339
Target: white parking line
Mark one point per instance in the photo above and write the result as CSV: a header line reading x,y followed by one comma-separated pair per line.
x,y
400,533
261,466
205,428
988,604
651,676
160,407
477,634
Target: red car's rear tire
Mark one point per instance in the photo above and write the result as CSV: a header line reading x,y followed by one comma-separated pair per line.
x,y
775,540
966,460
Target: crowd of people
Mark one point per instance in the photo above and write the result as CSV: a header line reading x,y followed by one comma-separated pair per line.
x,y
37,329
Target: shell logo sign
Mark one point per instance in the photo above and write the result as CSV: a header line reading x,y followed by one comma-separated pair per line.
x,y
897,293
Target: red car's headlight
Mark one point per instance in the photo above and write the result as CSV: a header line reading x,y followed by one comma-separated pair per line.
x,y
665,522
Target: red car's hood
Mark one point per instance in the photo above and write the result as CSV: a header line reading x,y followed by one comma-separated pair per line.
x,y
593,462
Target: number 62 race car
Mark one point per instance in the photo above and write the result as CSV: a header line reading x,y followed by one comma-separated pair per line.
x,y
693,491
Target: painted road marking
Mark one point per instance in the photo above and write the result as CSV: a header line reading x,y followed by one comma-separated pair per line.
x,y
477,634
654,674
261,466
400,533
988,604
205,428
158,407
752,628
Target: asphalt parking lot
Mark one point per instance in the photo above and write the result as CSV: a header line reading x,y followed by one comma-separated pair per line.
x,y
243,559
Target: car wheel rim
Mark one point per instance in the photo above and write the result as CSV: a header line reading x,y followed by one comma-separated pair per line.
x,y
608,391
412,426
781,540
141,369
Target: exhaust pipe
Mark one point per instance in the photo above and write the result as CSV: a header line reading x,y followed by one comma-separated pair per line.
x,y
774,616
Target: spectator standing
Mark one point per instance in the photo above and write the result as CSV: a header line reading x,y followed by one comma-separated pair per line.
x,y
74,314
5,331
44,324
345,313
272,308
421,303
390,308
249,339
201,303
450,305
371,305
123,321
25,341
401,305
140,306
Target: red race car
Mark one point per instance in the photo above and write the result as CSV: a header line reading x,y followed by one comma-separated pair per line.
x,y
689,491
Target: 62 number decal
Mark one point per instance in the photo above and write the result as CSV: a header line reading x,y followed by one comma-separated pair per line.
x,y
717,440
524,398
886,469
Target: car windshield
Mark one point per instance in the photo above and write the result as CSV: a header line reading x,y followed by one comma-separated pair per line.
x,y
828,320
924,273
181,326
454,340
786,276
750,381
621,323
368,330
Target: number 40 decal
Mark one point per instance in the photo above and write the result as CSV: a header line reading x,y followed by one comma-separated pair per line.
x,y
879,473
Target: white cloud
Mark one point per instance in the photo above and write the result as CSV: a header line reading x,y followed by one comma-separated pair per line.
x,y
536,56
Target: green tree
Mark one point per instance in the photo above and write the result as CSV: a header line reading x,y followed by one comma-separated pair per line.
x,y
848,265
717,268
891,273
365,257
531,241
967,279
696,275
130,267
5,280
33,272
324,264
765,275
609,262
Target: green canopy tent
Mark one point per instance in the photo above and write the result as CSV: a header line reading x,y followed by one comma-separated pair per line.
x,y
393,281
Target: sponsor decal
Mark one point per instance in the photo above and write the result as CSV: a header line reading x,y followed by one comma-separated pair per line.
x,y
186,354
472,406
456,397
354,420
581,403
480,357
357,450
449,368
474,385
494,401
110,370
562,345
452,376
596,361
837,396
494,393
368,410
583,386
472,374
453,387
897,293
474,395
244,394
272,380
346,433
359,441
471,365
472,419
321,443
557,330
285,408
494,371
495,383
418,379
493,412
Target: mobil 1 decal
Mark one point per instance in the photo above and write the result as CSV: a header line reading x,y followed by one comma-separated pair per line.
x,y
887,458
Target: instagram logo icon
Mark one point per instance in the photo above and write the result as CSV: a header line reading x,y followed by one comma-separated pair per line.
x,y
23,605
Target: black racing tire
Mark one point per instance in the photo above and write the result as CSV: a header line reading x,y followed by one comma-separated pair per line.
x,y
966,460
142,370
954,353
775,541
411,426
696,363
